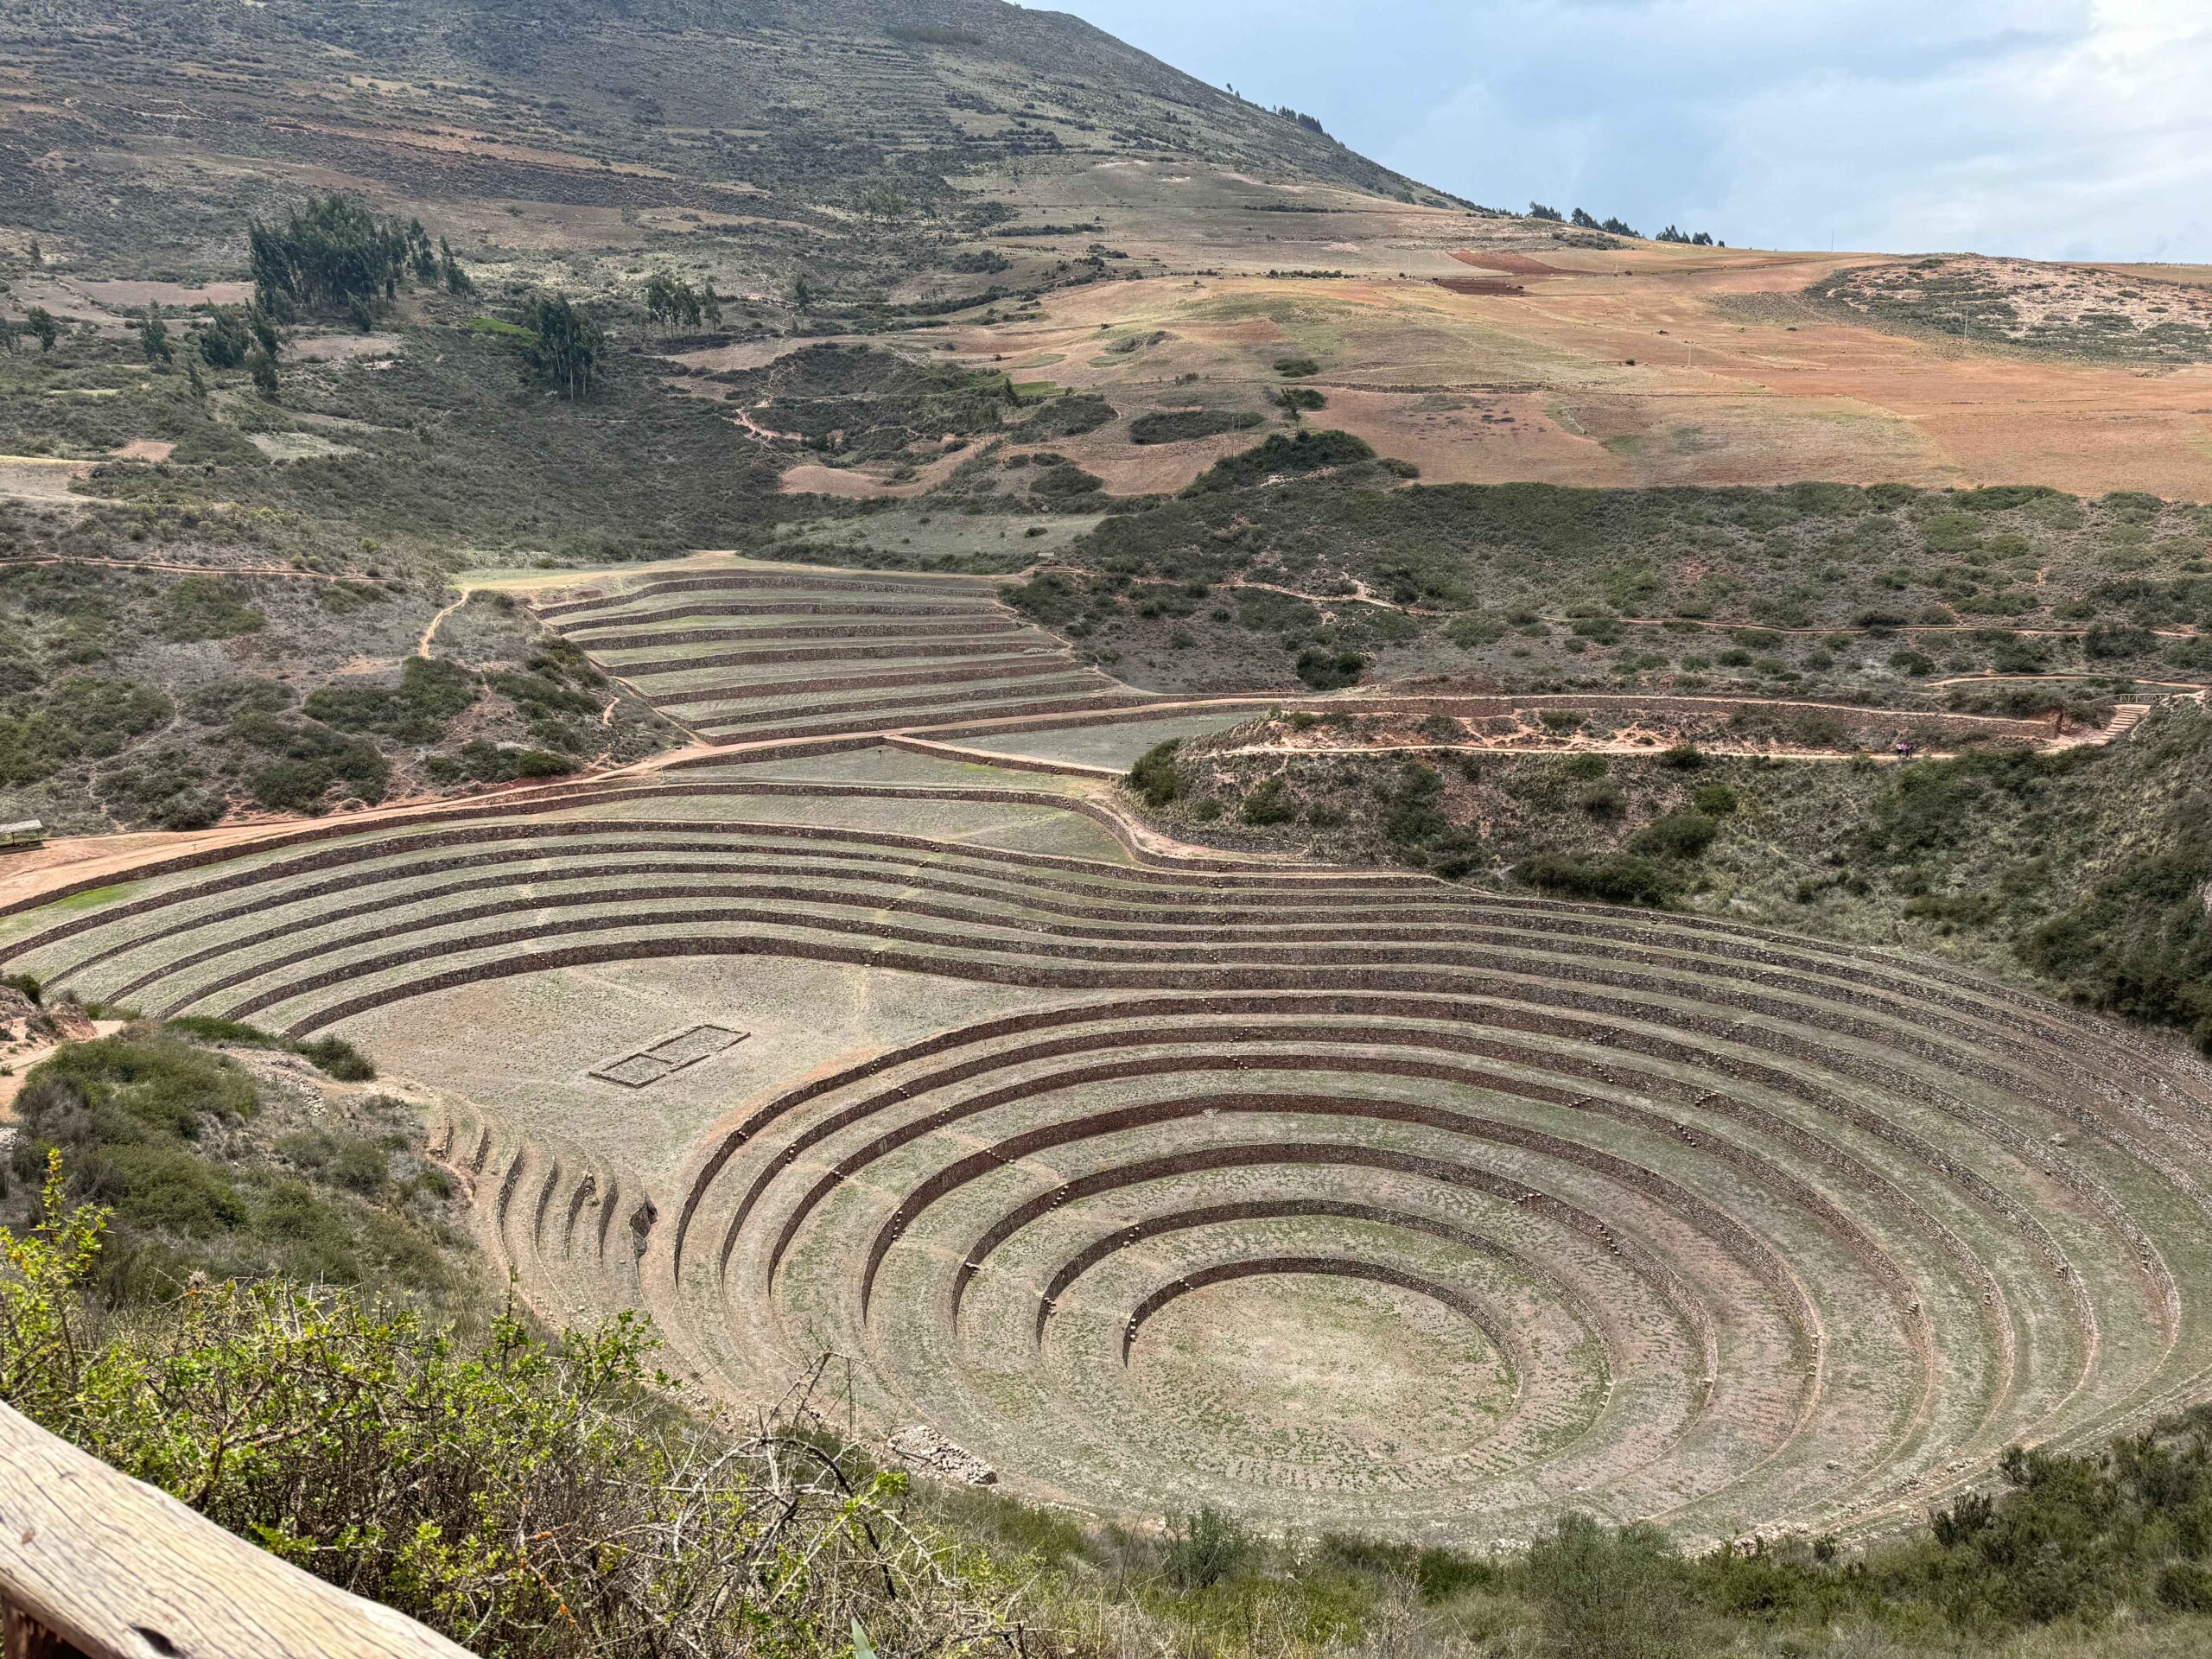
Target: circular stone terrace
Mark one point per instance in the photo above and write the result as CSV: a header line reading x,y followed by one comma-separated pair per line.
x,y
1156,1177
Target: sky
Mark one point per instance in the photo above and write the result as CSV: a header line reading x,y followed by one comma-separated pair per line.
x,y
2045,129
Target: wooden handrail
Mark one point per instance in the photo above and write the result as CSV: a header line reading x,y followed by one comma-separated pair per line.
x,y
96,1563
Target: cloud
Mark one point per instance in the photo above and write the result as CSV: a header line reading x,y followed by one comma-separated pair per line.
x,y
2053,128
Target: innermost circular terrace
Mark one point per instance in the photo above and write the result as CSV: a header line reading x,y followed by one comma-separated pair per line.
x,y
1311,1368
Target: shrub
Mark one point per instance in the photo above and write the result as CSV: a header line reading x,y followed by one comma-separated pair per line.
x,y
1066,417
536,1500
1325,669
1266,611
1714,799
485,762
1271,804
1612,878
166,788
2141,943
1185,425
1472,631
1205,1549
429,694
1065,481
83,718
1296,368
2116,644
1602,800
339,1058
1155,777
211,705
1612,1594
309,762
209,608
1281,455
1679,835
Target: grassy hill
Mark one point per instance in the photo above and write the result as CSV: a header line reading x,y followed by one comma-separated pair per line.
x,y
765,130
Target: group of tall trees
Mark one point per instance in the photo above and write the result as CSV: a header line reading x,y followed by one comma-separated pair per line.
x,y
670,300
335,258
567,344
38,323
244,337
1618,226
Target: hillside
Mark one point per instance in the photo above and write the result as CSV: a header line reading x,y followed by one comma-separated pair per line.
x,y
764,128
1017,192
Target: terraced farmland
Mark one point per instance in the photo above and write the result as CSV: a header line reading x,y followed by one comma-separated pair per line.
x,y
752,652
1339,1198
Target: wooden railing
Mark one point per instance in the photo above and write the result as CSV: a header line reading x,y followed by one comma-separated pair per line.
x,y
94,1565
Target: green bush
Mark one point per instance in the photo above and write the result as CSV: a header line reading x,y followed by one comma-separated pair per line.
x,y
306,762
1264,611
1205,1549
1155,777
1678,835
157,1129
1473,630
165,788
484,762
1612,1593
212,705
534,1500
209,608
1281,455
430,693
2141,943
1186,425
1611,879
1271,802
1716,799
1325,669
339,1058
1065,417
82,718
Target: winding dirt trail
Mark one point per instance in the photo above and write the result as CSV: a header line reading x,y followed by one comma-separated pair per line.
x,y
430,632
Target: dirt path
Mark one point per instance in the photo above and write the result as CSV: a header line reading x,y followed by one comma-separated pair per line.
x,y
430,632
19,1067
1604,746
1899,628
744,418
196,569
1361,594
2196,687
